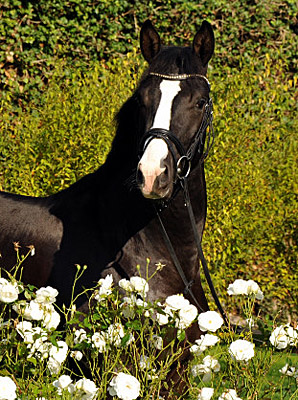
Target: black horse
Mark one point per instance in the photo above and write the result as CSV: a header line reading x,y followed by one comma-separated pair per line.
x,y
108,220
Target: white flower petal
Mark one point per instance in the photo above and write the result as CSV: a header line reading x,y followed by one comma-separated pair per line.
x,y
205,393
210,321
125,386
7,388
241,350
279,338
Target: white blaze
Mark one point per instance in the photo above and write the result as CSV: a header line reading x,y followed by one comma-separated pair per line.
x,y
169,90
157,149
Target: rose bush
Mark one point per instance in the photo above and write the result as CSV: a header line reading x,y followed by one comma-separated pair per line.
x,y
129,353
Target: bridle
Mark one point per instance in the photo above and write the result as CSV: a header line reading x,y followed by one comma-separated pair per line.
x,y
183,163
183,168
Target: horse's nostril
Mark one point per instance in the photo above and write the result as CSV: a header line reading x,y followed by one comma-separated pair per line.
x,y
140,177
163,178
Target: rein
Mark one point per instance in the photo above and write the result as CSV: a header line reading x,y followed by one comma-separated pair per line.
x,y
183,168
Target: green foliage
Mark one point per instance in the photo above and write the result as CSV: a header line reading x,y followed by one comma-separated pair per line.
x,y
34,34
69,134
252,192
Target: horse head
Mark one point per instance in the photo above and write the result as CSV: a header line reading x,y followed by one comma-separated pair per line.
x,y
173,99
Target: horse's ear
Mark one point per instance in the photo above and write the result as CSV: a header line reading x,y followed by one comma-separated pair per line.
x,y
150,41
203,43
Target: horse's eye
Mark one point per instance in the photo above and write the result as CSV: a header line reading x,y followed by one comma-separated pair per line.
x,y
200,104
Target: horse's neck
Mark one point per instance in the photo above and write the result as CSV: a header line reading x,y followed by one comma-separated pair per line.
x,y
125,210
150,242
133,212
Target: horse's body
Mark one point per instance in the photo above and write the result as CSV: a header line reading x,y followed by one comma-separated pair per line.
x,y
105,222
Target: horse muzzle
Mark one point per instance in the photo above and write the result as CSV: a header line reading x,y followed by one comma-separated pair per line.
x,y
155,171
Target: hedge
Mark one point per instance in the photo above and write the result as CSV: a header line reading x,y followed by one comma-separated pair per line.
x,y
34,34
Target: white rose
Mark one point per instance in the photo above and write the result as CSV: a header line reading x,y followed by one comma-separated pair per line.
x,y
98,340
59,353
141,303
241,350
292,335
105,288
229,394
46,295
207,340
279,338
186,316
176,302
239,286
259,295
289,371
211,363
7,388
197,350
62,383
33,311
205,393
126,285
24,328
253,288
85,389
203,342
3,281
140,285
54,366
125,386
200,369
157,342
80,336
8,292
162,319
77,355
106,282
115,333
51,319
210,321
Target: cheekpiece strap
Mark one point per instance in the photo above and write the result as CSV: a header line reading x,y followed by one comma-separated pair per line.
x,y
180,77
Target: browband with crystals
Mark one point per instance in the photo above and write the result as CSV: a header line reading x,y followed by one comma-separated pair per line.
x,y
179,77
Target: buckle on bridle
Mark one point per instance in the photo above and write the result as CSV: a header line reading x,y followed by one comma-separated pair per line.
x,y
187,288
183,167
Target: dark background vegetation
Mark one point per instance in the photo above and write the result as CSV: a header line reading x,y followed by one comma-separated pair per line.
x,y
67,66
34,34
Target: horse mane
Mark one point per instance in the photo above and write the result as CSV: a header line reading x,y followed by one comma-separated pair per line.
x,y
120,163
124,150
